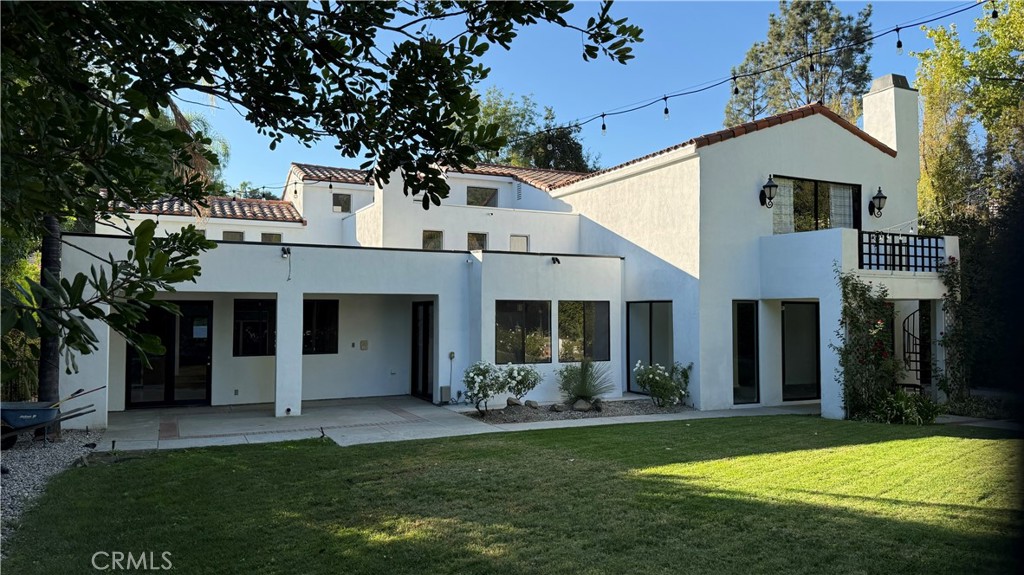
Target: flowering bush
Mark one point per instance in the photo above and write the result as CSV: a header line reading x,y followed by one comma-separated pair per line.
x,y
520,379
483,381
666,386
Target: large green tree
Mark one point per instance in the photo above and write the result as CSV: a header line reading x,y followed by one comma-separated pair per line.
x,y
532,140
80,83
972,178
803,52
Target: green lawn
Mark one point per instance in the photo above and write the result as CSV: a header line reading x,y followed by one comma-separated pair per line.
x,y
742,495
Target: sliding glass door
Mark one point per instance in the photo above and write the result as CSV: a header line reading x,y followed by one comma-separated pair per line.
x,y
801,352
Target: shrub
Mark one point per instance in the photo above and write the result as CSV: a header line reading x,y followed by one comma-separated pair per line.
x,y
666,386
902,407
483,381
587,381
520,379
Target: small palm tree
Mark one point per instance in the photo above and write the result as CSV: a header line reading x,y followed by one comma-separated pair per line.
x,y
587,381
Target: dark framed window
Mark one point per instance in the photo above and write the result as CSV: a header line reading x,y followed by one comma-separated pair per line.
x,y
583,331
482,197
518,243
255,327
522,332
745,388
233,236
201,232
342,203
433,240
475,241
319,326
270,238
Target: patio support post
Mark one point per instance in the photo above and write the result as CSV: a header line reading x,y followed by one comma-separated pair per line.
x,y
288,375
830,312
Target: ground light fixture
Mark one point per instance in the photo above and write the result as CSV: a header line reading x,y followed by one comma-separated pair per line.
x,y
877,203
768,191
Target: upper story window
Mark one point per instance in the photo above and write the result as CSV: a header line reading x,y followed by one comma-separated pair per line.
x,y
201,232
482,196
342,203
808,205
518,243
270,238
255,327
433,240
233,236
475,241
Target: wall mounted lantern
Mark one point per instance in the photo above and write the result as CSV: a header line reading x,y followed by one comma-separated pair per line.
x,y
768,192
877,203
555,261
285,252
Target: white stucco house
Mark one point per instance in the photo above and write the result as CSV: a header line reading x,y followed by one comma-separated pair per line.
x,y
342,289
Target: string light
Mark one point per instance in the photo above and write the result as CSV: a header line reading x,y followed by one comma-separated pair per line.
x,y
576,124
665,113
995,12
735,87
810,66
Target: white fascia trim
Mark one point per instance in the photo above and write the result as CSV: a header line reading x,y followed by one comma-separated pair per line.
x,y
625,172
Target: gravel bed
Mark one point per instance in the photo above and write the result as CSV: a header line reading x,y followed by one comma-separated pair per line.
x,y
523,414
30,464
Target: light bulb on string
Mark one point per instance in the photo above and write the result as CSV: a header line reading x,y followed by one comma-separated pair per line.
x,y
899,42
995,13
810,66
665,113
604,127
549,145
735,87
330,185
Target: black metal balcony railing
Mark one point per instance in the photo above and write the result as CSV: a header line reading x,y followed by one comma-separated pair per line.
x,y
901,252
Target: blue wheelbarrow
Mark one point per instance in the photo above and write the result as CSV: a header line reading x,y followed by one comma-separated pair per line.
x,y
18,417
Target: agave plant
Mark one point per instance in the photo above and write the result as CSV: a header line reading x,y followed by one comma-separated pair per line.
x,y
587,381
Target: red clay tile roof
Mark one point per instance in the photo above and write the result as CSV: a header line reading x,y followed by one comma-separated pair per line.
x,y
230,208
737,131
329,174
537,177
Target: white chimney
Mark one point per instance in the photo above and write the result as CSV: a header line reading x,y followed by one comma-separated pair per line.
x,y
890,114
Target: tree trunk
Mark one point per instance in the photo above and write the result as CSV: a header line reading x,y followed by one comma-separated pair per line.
x,y
49,346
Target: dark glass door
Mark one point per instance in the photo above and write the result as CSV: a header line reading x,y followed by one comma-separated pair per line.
x,y
801,354
181,375
423,349
648,337
744,348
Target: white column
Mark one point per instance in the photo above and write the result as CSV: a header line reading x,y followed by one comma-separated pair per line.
x,y
93,371
288,374
830,312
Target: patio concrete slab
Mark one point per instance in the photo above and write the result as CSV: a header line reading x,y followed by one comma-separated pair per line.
x,y
347,422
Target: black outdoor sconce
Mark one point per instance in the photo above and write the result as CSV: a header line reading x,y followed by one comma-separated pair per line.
x,y
877,203
768,192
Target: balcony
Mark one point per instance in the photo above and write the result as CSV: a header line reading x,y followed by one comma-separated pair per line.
x,y
900,252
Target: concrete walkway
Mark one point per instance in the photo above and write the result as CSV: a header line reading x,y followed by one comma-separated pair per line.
x,y
346,422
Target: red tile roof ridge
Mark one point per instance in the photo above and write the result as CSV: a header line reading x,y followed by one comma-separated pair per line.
x,y
747,128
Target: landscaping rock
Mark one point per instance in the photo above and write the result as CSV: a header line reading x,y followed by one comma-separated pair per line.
x,y
558,407
513,402
582,405
532,404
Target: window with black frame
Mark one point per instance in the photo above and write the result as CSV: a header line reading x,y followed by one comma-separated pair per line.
x,y
319,326
255,329
522,332
583,331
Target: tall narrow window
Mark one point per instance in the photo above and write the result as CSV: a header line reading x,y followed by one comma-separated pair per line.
x,y
475,241
744,353
482,197
519,243
342,203
255,330
583,331
433,240
319,326
270,238
522,332
233,236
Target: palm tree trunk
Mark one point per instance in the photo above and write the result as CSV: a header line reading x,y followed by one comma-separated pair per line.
x,y
49,346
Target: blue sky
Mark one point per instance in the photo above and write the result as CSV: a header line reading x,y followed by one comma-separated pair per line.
x,y
685,44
